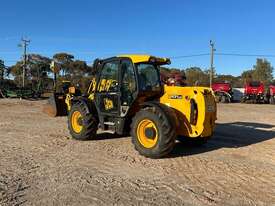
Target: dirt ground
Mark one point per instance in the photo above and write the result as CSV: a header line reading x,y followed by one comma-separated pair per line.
x,y
41,165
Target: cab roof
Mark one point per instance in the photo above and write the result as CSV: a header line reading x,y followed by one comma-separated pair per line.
x,y
139,58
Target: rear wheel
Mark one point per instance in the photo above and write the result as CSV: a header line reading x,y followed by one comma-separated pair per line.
x,y
82,124
153,133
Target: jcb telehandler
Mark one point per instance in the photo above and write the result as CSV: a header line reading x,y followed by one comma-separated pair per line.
x,y
127,96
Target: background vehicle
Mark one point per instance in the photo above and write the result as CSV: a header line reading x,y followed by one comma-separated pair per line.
x,y
223,92
127,96
254,92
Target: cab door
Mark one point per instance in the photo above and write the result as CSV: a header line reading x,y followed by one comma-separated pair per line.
x,y
128,86
108,89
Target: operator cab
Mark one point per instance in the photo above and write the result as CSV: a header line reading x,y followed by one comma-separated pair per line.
x,y
125,82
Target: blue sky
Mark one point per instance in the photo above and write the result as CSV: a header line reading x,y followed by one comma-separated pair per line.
x,y
90,29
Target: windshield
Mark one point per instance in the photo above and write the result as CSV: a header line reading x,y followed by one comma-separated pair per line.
x,y
148,77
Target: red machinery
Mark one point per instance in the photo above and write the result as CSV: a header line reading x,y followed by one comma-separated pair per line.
x,y
254,92
223,92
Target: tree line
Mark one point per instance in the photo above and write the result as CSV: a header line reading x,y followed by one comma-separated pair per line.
x,y
262,71
39,74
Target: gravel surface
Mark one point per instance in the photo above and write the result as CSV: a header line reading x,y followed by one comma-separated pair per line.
x,y
41,165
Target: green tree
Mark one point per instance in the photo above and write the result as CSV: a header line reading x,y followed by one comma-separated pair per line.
x,y
262,71
235,81
38,70
38,66
78,68
2,70
246,76
16,72
164,72
196,76
79,74
64,59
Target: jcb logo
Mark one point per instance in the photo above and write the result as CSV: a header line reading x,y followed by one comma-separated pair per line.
x,y
108,104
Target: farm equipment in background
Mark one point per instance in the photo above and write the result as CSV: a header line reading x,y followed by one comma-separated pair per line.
x,y
9,89
15,92
254,92
126,96
223,92
18,93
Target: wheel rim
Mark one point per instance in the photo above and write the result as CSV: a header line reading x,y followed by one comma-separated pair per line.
x,y
147,141
76,122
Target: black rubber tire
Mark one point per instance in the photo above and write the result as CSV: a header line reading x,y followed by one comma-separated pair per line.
x,y
198,141
166,130
89,123
243,100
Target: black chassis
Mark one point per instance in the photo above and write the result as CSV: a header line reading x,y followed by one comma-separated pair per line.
x,y
254,97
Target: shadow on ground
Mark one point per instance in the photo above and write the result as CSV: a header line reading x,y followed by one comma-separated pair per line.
x,y
229,135
108,135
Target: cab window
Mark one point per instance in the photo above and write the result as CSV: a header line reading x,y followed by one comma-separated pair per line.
x,y
109,77
128,77
148,77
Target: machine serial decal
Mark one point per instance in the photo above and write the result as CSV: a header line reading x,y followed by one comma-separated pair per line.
x,y
175,96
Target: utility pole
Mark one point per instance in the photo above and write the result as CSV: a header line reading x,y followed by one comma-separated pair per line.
x,y
212,48
24,44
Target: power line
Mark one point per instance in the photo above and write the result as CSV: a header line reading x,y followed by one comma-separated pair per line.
x,y
245,55
188,56
225,54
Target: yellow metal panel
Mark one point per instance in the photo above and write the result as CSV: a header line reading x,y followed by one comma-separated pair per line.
x,y
137,58
179,98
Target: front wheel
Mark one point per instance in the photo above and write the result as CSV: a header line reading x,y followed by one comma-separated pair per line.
x,y
153,133
82,124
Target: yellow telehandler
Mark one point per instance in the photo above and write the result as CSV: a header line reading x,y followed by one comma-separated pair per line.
x,y
126,96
